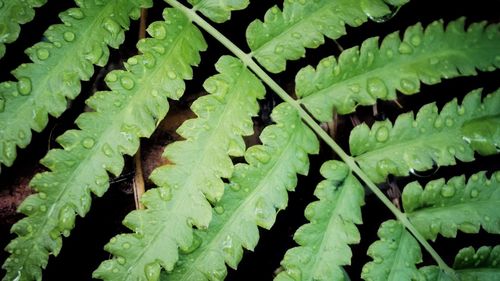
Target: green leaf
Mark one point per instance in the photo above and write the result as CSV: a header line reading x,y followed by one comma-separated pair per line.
x,y
362,75
218,11
256,192
186,188
137,100
455,205
12,14
284,35
430,139
394,255
43,87
324,242
470,265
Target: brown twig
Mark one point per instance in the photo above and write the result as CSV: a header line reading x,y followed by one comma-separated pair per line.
x,y
138,184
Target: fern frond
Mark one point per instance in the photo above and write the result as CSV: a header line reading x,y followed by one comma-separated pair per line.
x,y
431,138
470,265
362,75
324,242
455,205
201,161
131,110
218,11
12,14
58,66
255,192
284,35
394,255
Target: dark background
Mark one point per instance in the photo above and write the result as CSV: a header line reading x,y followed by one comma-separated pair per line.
x,y
83,250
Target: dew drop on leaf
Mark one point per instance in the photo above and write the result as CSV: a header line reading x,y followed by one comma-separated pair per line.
x,y
172,75
75,13
194,245
42,54
152,271
158,31
69,36
448,191
382,134
149,60
438,123
111,26
449,122
405,48
408,86
126,245
121,260
474,193
433,61
278,50
219,210
354,88
234,186
377,88
127,83
88,143
24,86
107,150
452,150
165,193
416,40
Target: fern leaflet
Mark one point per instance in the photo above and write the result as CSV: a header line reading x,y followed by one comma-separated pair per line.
x,y
362,75
200,163
431,138
324,241
394,255
217,10
251,198
130,111
58,66
12,14
302,24
445,207
483,264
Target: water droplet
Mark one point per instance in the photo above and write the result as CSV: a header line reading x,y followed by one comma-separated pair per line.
x,y
127,83
474,193
75,13
43,208
219,210
278,49
171,75
165,193
354,88
111,26
435,227
69,36
24,86
408,86
42,195
486,218
405,48
66,218
433,61
42,54
88,143
148,60
449,122
126,245
261,155
452,150
234,186
194,245
438,123
121,260
389,53
416,40
107,150
474,178
111,77
382,134
377,88
159,31
378,259
296,35
448,191
152,271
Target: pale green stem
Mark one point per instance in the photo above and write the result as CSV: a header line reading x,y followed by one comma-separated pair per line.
x,y
248,61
